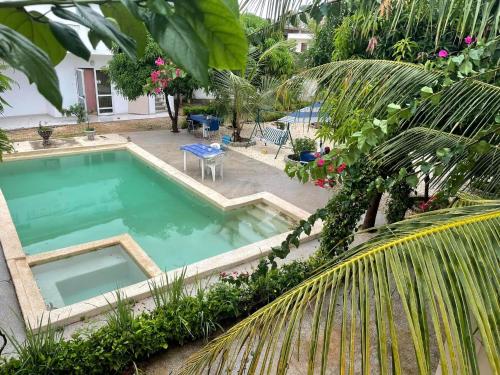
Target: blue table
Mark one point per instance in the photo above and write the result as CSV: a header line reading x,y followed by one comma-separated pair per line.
x,y
202,152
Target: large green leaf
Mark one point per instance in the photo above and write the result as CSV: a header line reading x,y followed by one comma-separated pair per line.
x,y
178,38
38,32
99,25
69,39
129,24
226,41
23,55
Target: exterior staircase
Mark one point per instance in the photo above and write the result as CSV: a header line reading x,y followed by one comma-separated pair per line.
x,y
160,103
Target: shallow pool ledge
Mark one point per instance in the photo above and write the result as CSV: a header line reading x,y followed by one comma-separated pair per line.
x,y
33,308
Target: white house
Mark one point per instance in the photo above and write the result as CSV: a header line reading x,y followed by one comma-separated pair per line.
x,y
80,81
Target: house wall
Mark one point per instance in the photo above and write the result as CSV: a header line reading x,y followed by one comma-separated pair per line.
x,y
25,100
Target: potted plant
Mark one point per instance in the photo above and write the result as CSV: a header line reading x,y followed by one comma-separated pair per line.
x,y
78,110
45,132
300,145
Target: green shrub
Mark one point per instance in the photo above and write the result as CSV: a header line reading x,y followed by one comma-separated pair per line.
x,y
271,116
303,144
199,109
177,319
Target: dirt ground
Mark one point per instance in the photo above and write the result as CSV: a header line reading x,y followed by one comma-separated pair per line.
x,y
73,130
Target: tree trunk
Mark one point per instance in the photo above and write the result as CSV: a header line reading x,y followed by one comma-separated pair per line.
x,y
177,102
426,187
173,115
371,212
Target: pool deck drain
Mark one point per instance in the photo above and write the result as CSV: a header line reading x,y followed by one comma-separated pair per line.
x,y
33,308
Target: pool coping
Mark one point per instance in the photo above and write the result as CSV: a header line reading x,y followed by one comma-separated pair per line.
x,y
30,300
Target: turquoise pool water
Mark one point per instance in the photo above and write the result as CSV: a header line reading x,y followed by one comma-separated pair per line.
x,y
77,278
62,201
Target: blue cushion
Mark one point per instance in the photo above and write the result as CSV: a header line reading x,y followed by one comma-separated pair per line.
x,y
307,156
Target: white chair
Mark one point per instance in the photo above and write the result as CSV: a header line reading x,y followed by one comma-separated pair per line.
x,y
213,163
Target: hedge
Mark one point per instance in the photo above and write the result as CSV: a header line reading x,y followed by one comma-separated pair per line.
x,y
177,319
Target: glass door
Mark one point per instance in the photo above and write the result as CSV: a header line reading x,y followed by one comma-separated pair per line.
x,y
103,88
80,88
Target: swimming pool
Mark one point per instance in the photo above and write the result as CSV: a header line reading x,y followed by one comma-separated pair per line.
x,y
61,201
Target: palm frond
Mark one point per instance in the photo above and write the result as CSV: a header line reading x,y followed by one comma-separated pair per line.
x,y
414,146
368,84
465,198
438,272
465,107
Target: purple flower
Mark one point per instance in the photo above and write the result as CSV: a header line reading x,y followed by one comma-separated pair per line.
x,y
469,40
443,53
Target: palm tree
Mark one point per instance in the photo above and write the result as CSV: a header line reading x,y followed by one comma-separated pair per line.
x,y
422,290
240,95
435,18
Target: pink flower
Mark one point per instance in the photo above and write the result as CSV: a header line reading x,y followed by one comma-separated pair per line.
x,y
158,90
177,72
317,155
443,53
330,168
164,82
320,162
155,74
341,168
469,40
159,61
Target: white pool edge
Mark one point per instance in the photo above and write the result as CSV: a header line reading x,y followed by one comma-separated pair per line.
x,y
30,299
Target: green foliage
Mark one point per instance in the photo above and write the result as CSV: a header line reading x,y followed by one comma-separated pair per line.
x,y
343,40
277,58
320,52
269,116
177,319
128,75
399,202
303,144
195,36
252,23
77,110
405,50
208,109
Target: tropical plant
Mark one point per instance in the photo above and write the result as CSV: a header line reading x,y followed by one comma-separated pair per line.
x,y
429,284
240,95
77,110
195,35
167,79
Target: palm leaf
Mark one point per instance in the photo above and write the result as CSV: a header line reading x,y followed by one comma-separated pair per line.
x,y
437,272
416,145
368,84
465,107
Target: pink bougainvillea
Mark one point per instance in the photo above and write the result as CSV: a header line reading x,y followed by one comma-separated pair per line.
x,y
320,162
341,168
159,61
469,40
443,53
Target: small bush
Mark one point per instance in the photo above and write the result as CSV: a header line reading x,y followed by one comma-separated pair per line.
x,y
271,116
199,109
177,319
304,144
